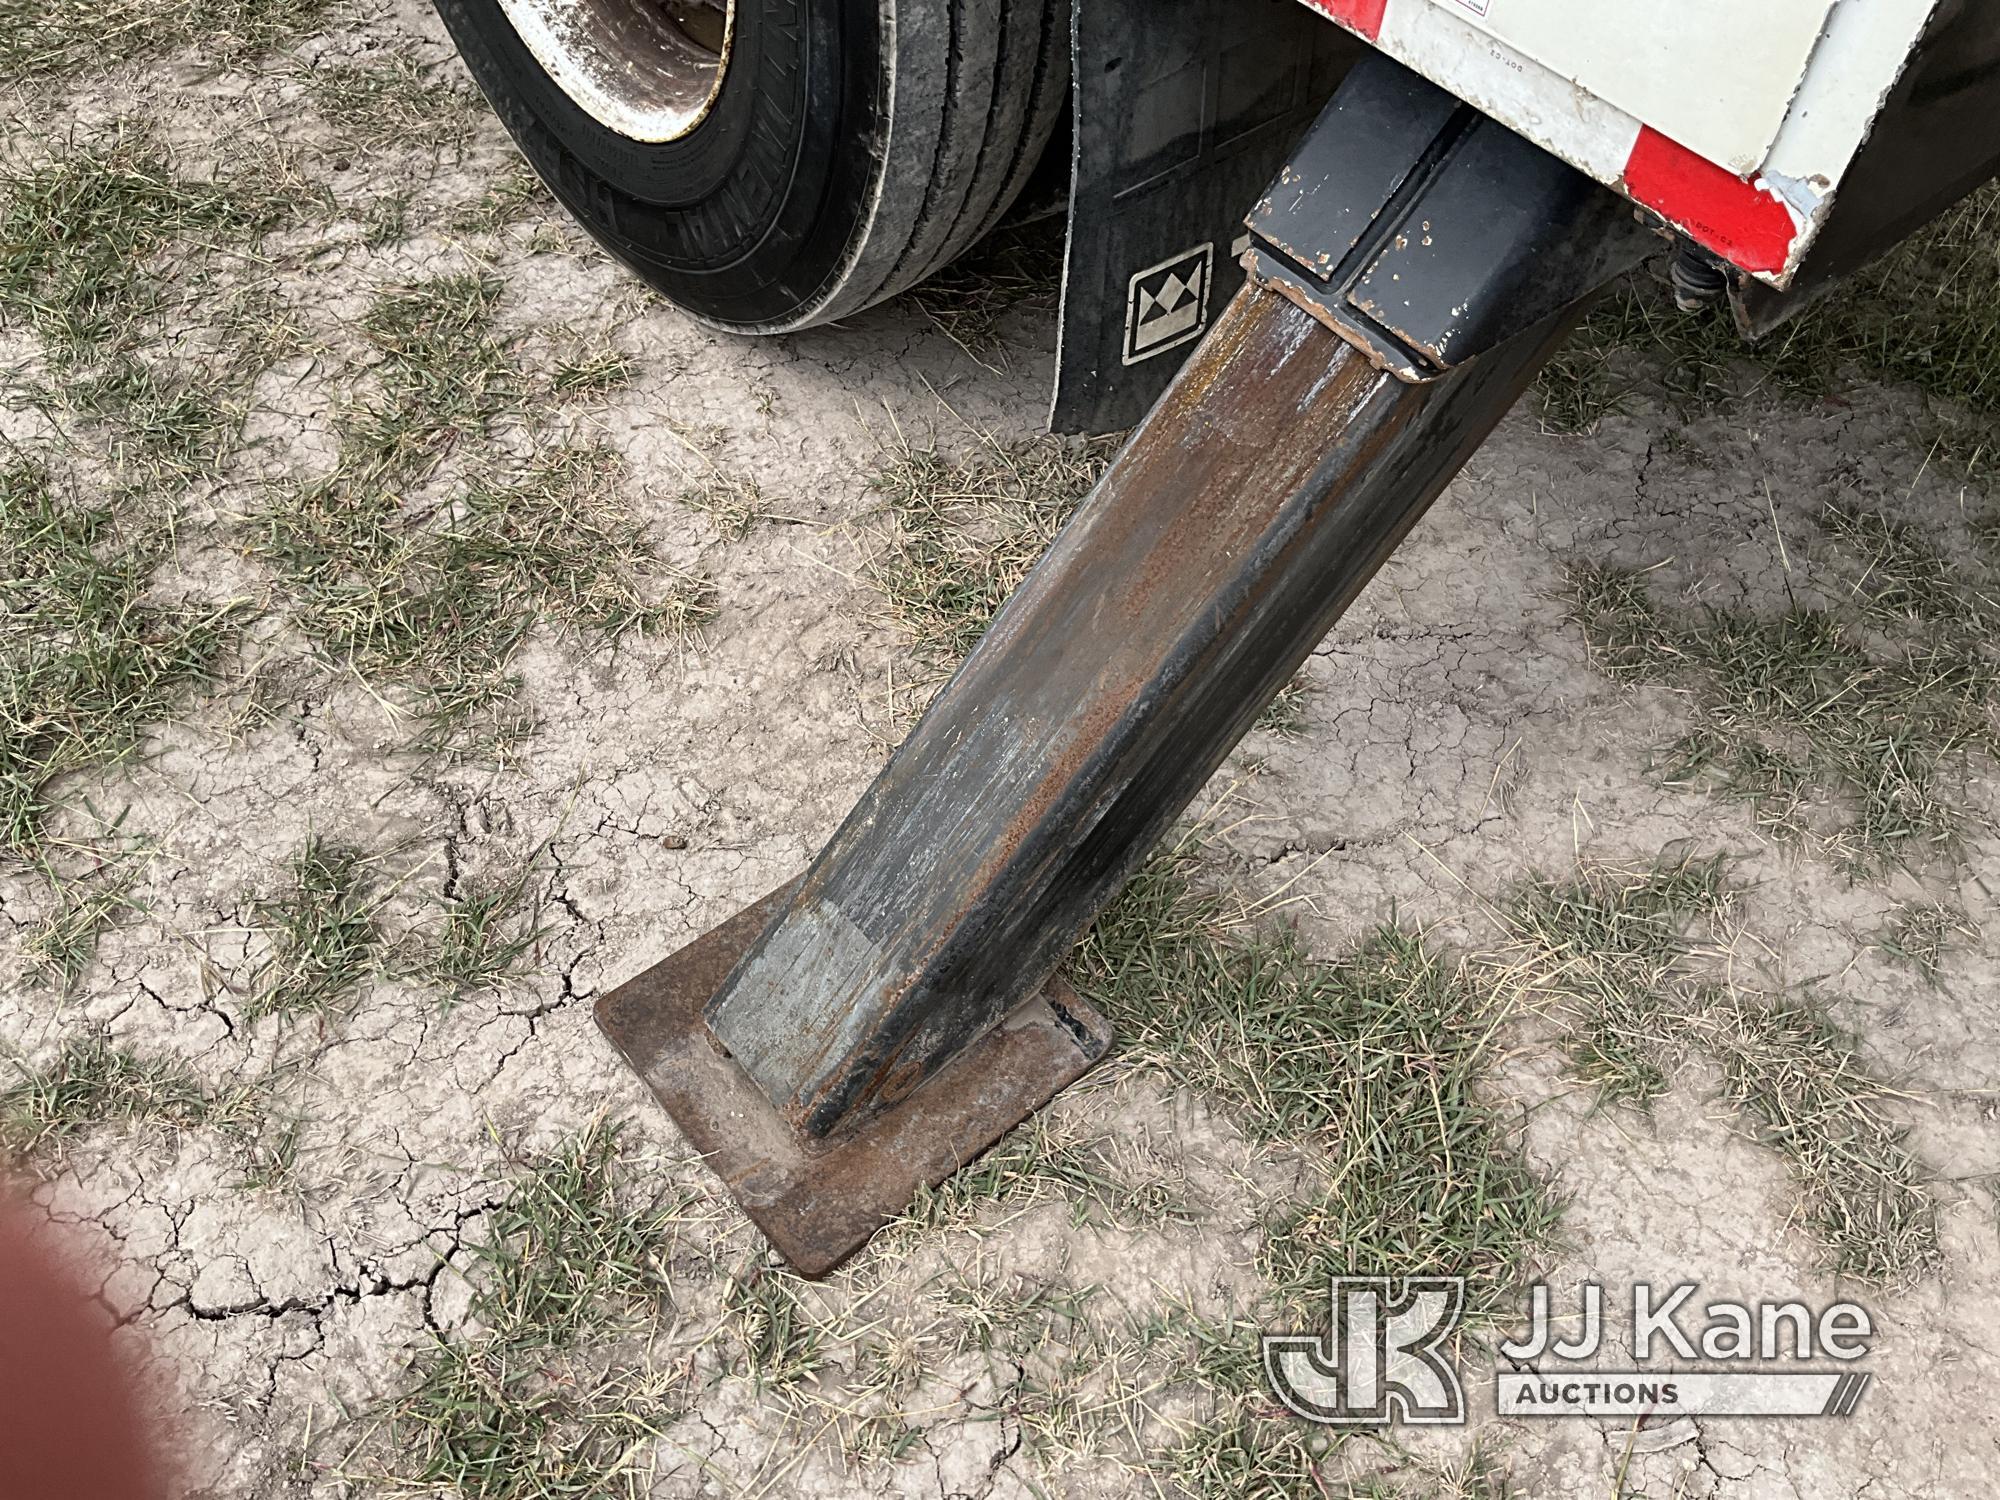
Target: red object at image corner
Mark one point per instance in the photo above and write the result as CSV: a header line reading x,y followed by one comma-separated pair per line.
x,y
70,1423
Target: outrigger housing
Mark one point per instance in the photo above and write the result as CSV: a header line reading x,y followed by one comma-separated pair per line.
x,y
874,1025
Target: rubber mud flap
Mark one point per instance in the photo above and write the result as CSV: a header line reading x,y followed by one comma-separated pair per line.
x,y
1183,113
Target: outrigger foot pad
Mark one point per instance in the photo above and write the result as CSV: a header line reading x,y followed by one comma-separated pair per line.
x,y
819,1204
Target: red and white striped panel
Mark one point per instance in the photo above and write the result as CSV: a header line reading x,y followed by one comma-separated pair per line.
x,y
1651,99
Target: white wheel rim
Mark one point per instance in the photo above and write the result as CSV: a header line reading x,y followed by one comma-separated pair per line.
x,y
647,69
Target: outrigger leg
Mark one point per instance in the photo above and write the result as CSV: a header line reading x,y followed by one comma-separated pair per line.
x,y
877,1023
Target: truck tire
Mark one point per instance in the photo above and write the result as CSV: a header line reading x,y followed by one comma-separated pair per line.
x,y
769,165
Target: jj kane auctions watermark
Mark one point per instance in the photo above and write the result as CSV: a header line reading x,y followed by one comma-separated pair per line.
x,y
1384,1356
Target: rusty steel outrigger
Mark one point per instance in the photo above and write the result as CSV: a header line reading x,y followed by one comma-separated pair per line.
x,y
880,1021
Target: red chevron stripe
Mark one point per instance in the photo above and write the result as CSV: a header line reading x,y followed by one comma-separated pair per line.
x,y
1737,220
1363,16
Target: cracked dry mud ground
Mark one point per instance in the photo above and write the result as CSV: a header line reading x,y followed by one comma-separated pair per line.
x,y
1458,739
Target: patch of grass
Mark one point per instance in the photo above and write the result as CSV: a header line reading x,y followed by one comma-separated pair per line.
x,y
1920,933
1285,715
535,1405
92,244
1243,1450
552,535
435,595
1243,1457
1612,949
731,501
60,946
85,238
443,373
495,1421
967,531
87,663
517,194
1928,313
1809,1095
778,1341
1900,578
1369,1063
1580,385
323,932
590,369
440,602
89,1082
478,944
173,422
1105,1181
254,327
1839,743
389,104
80,36
1246,1451
972,296
569,1249
386,220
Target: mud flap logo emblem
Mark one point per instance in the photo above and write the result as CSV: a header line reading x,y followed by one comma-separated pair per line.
x,y
1167,305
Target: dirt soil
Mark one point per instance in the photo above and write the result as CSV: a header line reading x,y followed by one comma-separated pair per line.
x,y
1458,737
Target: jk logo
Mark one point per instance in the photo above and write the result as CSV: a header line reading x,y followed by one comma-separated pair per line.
x,y
1380,1359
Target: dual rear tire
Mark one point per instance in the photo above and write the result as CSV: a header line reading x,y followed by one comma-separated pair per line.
x,y
778,163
